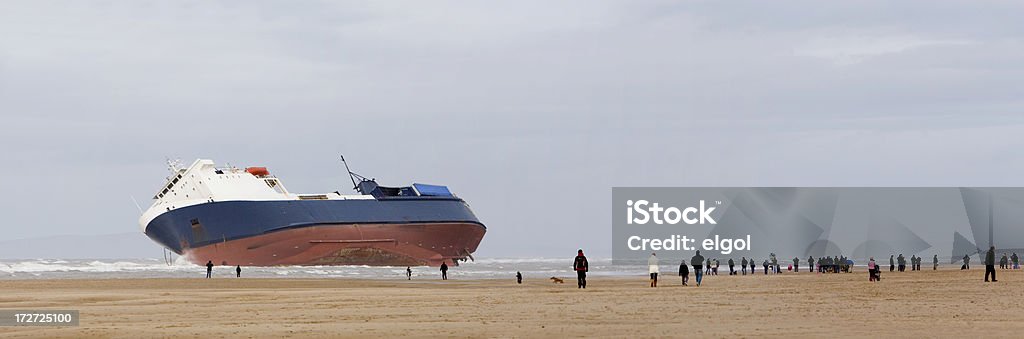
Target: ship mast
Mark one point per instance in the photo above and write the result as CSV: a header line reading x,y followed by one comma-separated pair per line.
x,y
353,176
354,185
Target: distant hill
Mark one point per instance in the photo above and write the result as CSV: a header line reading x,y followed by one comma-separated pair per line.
x,y
104,246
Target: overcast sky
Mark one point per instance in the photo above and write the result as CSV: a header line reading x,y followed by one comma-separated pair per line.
x,y
529,110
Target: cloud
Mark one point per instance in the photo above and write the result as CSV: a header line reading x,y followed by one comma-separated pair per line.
x,y
850,49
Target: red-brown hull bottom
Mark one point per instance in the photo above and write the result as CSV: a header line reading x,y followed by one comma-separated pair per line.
x,y
370,244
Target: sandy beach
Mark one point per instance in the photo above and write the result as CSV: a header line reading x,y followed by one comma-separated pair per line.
x,y
944,303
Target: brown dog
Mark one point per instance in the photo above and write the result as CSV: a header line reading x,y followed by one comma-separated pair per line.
x,y
557,281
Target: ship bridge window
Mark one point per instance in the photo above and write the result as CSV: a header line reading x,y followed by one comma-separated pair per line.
x,y
397,191
275,185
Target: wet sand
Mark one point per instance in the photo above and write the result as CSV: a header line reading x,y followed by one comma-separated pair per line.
x,y
946,303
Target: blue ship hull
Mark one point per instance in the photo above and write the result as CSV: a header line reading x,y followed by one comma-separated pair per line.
x,y
402,230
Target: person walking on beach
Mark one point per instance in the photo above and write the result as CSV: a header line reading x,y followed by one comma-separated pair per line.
x,y
935,262
519,277
743,265
684,271
238,271
1016,261
581,267
714,270
1004,262
810,264
753,266
902,262
732,264
652,265
775,265
209,269
444,271
990,263
765,264
892,264
871,269
696,261
967,262
408,272
796,264
707,270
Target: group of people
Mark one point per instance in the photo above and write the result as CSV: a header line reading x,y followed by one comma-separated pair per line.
x,y
1004,263
702,266
915,263
835,264
209,270
698,262
990,263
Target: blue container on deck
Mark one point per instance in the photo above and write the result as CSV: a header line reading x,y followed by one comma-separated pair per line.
x,y
432,190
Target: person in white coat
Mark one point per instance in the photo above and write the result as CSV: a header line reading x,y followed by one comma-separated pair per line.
x,y
652,263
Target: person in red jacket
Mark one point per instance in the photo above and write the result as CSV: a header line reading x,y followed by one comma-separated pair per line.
x,y
581,267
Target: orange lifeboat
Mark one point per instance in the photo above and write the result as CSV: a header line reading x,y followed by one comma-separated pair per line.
x,y
258,171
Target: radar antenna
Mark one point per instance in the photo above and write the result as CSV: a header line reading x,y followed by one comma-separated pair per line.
x,y
174,165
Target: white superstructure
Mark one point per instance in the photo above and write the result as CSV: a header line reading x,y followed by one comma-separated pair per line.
x,y
203,182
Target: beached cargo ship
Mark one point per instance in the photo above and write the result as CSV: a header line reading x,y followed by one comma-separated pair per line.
x,y
235,216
